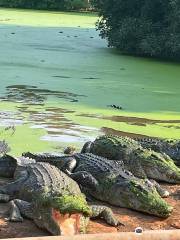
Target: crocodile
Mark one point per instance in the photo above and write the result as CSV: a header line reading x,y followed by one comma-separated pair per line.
x,y
170,147
43,193
143,163
109,182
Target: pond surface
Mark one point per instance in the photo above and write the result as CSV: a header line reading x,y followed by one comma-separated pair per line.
x,y
61,85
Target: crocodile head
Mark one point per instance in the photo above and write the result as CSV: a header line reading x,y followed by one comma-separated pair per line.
x,y
158,166
62,215
138,194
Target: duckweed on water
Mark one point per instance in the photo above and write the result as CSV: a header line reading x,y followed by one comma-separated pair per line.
x,y
47,60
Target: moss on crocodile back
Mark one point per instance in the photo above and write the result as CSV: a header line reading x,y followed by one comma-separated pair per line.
x,y
153,160
155,156
113,147
118,141
66,203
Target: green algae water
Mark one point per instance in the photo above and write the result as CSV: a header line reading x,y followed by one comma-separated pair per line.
x,y
59,82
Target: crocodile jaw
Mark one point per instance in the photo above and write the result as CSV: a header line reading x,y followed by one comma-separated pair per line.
x,y
58,223
69,225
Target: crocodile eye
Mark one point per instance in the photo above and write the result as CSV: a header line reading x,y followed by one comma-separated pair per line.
x,y
153,155
128,173
149,183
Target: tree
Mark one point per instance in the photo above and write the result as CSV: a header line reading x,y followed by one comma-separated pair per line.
x,y
141,27
47,4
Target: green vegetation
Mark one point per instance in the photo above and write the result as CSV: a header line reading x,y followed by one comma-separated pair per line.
x,y
141,27
47,4
66,203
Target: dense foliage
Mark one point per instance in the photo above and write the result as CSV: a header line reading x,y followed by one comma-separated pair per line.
x,y
46,4
141,27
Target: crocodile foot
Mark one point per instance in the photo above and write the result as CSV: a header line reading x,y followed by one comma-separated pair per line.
x,y
15,215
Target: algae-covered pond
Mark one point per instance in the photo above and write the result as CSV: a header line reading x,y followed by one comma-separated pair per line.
x,y
59,80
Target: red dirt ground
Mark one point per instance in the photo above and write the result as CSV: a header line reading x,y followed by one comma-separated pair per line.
x,y
132,219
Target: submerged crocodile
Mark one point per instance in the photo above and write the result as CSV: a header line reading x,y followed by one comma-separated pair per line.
x,y
43,193
143,163
107,180
170,147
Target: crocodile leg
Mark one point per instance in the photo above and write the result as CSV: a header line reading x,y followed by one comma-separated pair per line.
x,y
25,208
99,211
89,197
87,147
134,166
14,213
85,179
19,208
13,187
162,192
69,165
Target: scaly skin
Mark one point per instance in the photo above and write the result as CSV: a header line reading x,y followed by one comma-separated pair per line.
x,y
107,180
169,147
141,162
39,188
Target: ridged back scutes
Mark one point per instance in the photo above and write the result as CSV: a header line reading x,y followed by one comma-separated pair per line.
x,y
43,156
114,147
157,140
97,165
161,143
158,145
45,176
120,141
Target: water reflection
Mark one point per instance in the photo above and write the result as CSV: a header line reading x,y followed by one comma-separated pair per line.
x,y
58,128
8,118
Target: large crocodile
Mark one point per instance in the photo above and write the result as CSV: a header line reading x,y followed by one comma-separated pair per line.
x,y
170,147
44,193
143,163
108,181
